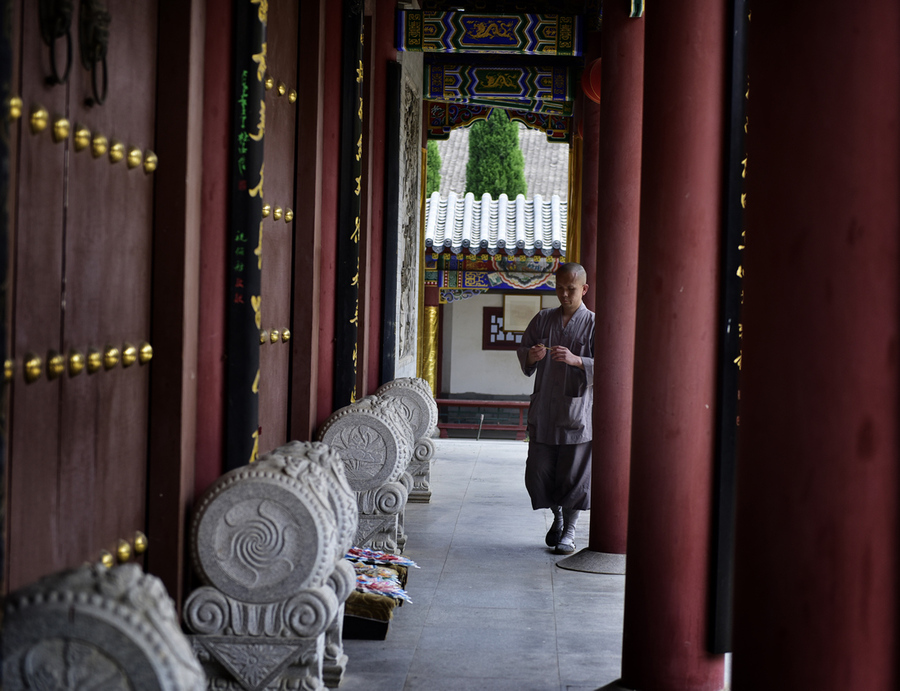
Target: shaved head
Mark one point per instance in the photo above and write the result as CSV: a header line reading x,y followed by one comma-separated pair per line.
x,y
572,269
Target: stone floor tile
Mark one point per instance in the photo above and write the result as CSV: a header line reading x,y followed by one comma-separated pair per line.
x,y
491,610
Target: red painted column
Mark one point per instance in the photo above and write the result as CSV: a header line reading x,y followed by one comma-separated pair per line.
x,y
590,128
308,222
213,245
331,154
615,285
383,52
673,425
817,536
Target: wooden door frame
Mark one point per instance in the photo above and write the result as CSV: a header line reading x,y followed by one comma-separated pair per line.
x,y
175,289
8,43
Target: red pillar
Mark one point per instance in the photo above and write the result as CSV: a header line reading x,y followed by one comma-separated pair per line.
x,y
213,245
308,222
615,285
382,53
590,127
330,157
673,425
817,537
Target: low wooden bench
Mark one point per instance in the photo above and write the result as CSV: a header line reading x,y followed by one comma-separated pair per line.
x,y
519,428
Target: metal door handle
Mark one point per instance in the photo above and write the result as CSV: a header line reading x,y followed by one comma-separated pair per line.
x,y
56,21
93,41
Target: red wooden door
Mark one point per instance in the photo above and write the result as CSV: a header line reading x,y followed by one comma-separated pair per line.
x,y
81,265
278,226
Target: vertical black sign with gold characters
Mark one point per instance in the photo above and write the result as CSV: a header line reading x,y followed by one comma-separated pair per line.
x,y
730,332
245,242
347,292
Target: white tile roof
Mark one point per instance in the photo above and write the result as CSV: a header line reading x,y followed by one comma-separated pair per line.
x,y
521,226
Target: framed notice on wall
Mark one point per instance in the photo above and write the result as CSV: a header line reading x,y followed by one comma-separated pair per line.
x,y
518,311
493,335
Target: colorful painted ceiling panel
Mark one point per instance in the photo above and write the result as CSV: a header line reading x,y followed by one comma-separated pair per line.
x,y
558,128
518,263
559,108
463,83
445,117
464,276
580,7
473,32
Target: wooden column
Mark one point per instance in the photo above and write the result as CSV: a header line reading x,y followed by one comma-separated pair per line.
x,y
817,535
214,244
329,229
590,153
381,52
673,426
615,287
8,89
308,221
175,308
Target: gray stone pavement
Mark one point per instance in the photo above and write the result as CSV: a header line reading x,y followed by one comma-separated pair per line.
x,y
491,610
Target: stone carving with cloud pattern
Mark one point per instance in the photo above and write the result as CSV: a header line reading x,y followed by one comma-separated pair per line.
x,y
257,542
269,541
94,628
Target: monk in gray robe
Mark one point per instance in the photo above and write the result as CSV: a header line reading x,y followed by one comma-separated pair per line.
x,y
558,348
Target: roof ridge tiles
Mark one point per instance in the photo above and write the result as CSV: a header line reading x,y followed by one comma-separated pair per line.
x,y
521,226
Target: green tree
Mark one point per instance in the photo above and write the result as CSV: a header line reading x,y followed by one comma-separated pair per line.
x,y
432,168
496,164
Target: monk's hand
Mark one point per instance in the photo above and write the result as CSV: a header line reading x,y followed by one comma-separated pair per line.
x,y
562,354
536,352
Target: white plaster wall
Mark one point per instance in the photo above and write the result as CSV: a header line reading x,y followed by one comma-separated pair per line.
x,y
466,368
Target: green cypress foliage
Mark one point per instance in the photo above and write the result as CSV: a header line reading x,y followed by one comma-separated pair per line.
x,y
496,164
433,168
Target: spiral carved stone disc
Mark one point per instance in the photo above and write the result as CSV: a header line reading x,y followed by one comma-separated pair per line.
x,y
260,536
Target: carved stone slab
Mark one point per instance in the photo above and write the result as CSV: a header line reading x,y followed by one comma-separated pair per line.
x,y
378,531
416,401
97,629
420,469
269,540
264,532
418,406
341,498
373,439
252,664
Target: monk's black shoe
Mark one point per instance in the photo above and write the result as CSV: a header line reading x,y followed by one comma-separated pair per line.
x,y
553,536
565,546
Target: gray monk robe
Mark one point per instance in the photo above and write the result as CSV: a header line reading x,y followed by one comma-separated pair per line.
x,y
558,470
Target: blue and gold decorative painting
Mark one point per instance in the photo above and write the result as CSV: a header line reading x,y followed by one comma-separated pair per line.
x,y
461,83
474,32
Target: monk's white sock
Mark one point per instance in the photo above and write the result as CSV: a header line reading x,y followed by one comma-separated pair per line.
x,y
570,520
558,519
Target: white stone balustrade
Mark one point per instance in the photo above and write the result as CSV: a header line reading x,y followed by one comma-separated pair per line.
x,y
96,628
420,410
268,541
375,442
